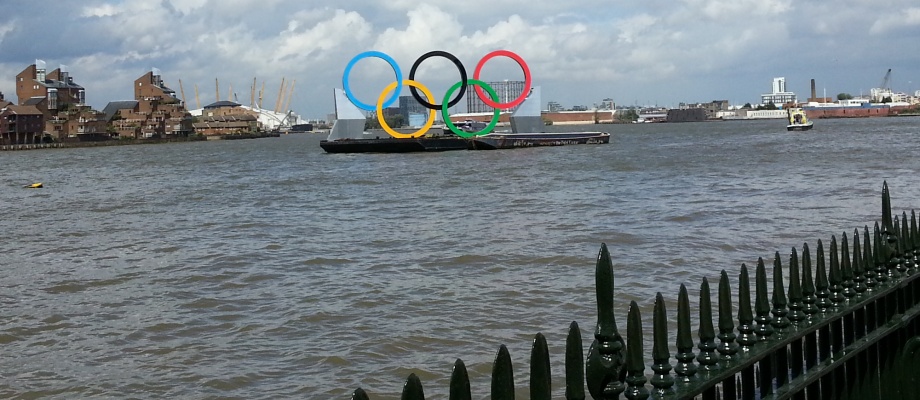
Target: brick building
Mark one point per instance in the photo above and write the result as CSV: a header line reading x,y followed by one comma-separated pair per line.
x,y
227,118
154,112
20,124
61,102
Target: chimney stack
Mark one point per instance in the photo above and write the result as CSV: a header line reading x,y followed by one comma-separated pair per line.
x,y
813,94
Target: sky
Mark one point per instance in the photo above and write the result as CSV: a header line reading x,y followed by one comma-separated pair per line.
x,y
651,52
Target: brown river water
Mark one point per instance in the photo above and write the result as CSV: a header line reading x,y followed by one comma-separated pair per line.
x,y
267,269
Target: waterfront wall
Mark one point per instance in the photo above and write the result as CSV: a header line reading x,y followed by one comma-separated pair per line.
x,y
853,112
115,142
555,118
686,115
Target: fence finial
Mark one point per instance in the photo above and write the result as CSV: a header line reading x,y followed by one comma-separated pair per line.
x,y
796,306
635,360
359,394
685,367
727,346
460,382
502,375
707,357
661,379
746,337
604,372
764,320
779,311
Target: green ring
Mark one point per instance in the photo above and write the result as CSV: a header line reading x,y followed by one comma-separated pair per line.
x,y
446,115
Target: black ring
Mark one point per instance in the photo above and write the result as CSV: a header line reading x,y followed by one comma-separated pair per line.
x,y
463,80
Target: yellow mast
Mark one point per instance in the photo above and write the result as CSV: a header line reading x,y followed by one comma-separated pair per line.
x,y
260,94
287,104
182,91
280,93
197,102
252,94
230,94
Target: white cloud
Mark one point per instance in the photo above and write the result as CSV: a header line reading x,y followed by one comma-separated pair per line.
x,y
726,10
895,21
105,10
6,28
579,51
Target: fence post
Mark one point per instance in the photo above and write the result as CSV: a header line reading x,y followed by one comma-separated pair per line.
x,y
604,370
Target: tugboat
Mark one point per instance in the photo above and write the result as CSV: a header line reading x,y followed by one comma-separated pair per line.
x,y
798,121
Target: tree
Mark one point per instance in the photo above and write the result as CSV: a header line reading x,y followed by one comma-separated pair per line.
x,y
393,121
747,106
844,96
629,116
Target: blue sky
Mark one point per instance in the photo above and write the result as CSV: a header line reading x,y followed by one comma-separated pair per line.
x,y
578,51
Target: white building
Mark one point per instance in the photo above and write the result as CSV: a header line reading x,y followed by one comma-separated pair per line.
x,y
779,96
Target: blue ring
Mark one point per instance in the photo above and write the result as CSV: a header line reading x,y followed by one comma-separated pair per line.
x,y
351,96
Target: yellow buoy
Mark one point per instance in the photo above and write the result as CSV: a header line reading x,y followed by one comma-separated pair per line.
x,y
34,185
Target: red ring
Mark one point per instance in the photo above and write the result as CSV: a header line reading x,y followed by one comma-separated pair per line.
x,y
527,81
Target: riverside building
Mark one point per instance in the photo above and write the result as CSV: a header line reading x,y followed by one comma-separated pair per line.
x,y
507,91
779,96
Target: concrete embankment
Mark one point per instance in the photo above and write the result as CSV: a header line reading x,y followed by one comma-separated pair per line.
x,y
101,143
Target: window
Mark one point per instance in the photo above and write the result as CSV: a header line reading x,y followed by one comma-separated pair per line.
x,y
52,99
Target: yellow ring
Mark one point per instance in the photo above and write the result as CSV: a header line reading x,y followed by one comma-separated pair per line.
x,y
383,122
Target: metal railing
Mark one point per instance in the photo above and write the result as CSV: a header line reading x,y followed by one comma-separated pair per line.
x,y
846,328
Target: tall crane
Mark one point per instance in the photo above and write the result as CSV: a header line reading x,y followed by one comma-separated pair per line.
x,y
886,80
882,93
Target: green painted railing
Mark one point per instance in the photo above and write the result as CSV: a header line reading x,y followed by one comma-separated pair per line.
x,y
846,328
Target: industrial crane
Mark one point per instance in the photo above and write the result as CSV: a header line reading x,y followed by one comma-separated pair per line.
x,y
886,80
883,93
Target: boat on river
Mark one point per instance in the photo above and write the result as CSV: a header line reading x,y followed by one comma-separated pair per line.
x,y
798,121
348,134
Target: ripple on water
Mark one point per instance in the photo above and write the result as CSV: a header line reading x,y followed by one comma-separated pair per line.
x,y
269,269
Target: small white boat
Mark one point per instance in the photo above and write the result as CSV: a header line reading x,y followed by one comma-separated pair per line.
x,y
798,121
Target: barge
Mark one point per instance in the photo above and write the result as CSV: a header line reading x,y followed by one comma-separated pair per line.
x,y
348,135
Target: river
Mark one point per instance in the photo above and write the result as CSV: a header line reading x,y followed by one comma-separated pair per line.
x,y
267,269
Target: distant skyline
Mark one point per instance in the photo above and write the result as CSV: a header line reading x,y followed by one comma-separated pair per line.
x,y
582,51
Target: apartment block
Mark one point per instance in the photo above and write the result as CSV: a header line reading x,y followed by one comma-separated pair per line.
x,y
61,101
154,112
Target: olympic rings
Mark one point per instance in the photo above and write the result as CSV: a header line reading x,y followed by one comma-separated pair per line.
x,y
359,57
396,87
459,132
383,121
459,67
527,82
